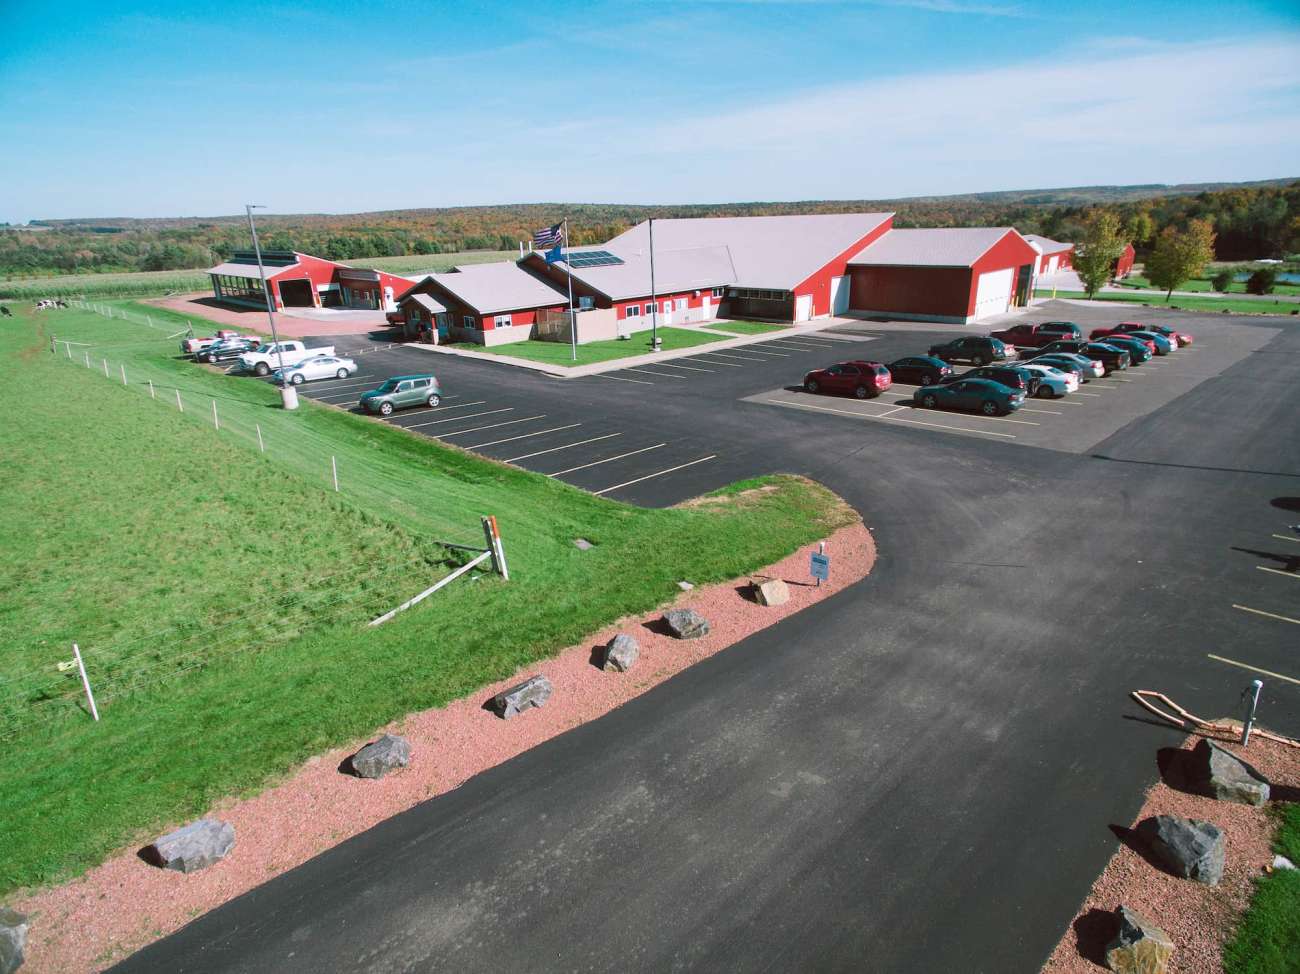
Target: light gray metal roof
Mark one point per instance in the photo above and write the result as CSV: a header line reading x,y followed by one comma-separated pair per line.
x,y
231,269
776,252
675,271
937,247
1045,245
428,302
499,286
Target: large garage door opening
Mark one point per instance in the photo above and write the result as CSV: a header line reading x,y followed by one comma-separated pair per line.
x,y
296,294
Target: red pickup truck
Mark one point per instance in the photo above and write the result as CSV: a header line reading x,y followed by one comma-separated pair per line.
x,y
1036,336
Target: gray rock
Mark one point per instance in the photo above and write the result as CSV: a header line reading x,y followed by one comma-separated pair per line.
x,y
1191,848
533,692
1282,862
13,940
621,653
582,544
195,846
685,586
686,623
1140,947
774,591
382,756
1220,774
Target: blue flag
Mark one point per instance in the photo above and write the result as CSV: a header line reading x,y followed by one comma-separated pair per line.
x,y
554,254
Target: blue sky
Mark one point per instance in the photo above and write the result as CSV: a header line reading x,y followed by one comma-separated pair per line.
x,y
112,109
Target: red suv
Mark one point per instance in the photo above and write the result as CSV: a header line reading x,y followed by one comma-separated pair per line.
x,y
866,380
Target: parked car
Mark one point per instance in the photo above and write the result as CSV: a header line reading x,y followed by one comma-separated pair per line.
x,y
1177,338
1053,383
1035,336
273,354
1011,376
317,367
980,349
190,346
866,380
1111,357
227,349
1138,350
402,391
1086,367
921,370
1159,344
989,397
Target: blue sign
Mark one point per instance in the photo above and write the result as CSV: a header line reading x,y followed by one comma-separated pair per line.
x,y
821,566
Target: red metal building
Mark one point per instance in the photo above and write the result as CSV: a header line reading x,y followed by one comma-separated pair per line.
x,y
301,281
1124,263
1055,256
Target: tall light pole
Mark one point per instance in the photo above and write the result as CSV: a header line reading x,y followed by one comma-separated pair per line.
x,y
288,394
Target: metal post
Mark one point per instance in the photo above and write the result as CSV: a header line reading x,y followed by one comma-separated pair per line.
x,y
654,297
821,550
216,423
573,315
334,469
179,405
1251,694
85,682
260,445
492,535
288,396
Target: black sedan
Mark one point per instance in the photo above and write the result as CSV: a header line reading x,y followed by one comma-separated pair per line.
x,y
980,349
920,370
1111,357
226,349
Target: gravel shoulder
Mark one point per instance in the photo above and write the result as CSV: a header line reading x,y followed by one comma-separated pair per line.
x,y
121,906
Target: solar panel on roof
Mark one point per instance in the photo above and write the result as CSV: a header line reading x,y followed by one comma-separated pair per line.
x,y
592,258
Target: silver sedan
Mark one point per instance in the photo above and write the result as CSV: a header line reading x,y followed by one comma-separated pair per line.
x,y
318,367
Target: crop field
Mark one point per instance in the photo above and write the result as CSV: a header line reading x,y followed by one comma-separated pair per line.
x,y
219,593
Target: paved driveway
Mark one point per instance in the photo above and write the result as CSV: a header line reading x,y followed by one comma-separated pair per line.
x,y
916,775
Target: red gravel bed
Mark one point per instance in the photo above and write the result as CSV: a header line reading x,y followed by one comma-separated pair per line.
x,y
1199,918
124,904
204,306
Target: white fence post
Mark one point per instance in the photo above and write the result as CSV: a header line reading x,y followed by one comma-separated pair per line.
x,y
493,536
68,346
151,392
334,467
179,405
216,423
105,368
87,360
123,375
260,445
85,682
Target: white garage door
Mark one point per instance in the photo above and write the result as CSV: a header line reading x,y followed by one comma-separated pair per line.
x,y
803,307
993,293
1052,263
839,295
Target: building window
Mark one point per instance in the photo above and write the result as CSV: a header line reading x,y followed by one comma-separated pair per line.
x,y
632,311
469,321
501,321
717,292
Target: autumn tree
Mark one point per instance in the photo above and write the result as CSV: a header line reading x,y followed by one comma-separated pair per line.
x,y
1180,255
1139,227
1096,251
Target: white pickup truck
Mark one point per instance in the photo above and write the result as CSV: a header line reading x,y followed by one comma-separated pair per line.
x,y
267,358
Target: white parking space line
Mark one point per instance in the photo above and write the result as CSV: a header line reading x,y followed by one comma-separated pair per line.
x,y
597,463
667,375
461,419
1049,412
567,446
1266,615
751,350
476,429
364,380
524,436
696,358
892,418
674,365
801,345
434,409
896,409
945,426
1090,395
1278,571
741,358
829,409
1253,669
1285,537
650,476
619,378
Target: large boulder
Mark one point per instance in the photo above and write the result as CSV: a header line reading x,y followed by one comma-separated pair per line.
x,y
533,692
774,591
1140,947
1190,848
13,940
621,653
1214,771
195,846
686,623
382,756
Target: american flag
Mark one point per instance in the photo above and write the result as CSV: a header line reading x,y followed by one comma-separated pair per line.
x,y
548,237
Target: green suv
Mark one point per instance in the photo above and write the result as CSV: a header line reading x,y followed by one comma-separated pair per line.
x,y
401,391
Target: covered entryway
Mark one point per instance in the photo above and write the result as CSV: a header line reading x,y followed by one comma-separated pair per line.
x,y
993,292
296,293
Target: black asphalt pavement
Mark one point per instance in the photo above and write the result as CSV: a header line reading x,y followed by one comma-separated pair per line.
x,y
917,774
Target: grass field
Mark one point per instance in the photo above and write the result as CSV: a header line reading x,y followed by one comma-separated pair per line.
x,y
1281,289
1283,306
218,593
1268,938
747,327
150,284
557,353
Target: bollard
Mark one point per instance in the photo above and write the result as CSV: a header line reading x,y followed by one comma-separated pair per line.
x,y
1251,696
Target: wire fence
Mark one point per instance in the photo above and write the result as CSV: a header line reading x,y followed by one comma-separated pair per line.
x,y
121,665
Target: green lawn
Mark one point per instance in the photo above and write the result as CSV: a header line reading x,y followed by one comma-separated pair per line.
x,y
1268,939
1281,289
219,593
1283,306
558,353
747,327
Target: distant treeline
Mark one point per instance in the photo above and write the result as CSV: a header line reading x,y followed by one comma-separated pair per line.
x,y
1251,221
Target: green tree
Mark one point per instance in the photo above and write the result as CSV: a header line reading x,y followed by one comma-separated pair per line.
x,y
1180,255
1262,281
1139,228
1222,280
1097,249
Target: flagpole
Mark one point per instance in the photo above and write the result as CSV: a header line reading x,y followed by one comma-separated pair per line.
x,y
654,298
573,317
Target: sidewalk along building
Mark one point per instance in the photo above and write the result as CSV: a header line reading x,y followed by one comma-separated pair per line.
x,y
954,275
1123,265
301,281
1054,255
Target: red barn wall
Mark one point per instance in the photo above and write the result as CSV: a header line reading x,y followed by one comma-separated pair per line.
x,y
940,291
818,284
1012,250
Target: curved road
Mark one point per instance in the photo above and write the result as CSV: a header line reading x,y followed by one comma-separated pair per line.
x,y
915,775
